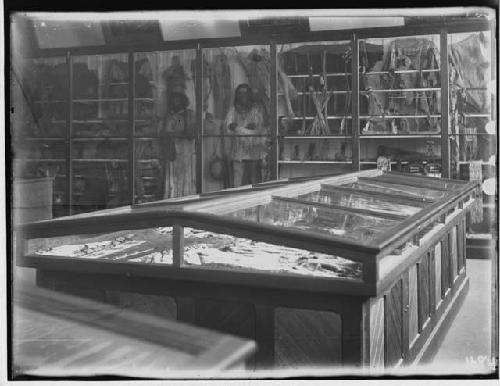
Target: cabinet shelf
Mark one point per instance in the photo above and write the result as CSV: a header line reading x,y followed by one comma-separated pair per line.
x,y
400,72
399,116
402,136
318,75
101,120
40,159
401,90
121,160
314,162
96,100
328,117
316,137
320,92
80,139
44,139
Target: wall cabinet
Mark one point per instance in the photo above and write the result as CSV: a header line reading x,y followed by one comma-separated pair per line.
x,y
106,128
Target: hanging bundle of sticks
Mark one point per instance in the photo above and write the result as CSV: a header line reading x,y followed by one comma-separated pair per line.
x,y
320,99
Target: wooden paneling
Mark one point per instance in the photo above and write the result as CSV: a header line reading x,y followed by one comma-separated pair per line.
x,y
164,306
377,332
412,304
423,290
432,281
437,275
230,317
393,332
460,245
307,338
453,254
445,265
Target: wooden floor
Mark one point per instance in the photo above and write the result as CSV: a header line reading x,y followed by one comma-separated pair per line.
x,y
466,346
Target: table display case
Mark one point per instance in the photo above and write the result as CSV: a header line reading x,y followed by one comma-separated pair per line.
x,y
357,269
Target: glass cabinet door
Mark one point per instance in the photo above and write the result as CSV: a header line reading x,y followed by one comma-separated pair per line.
x,y
164,125
100,131
314,108
39,126
472,132
400,104
236,106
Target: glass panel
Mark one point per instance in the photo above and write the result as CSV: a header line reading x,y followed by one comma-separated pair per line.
x,y
473,136
224,251
400,86
314,99
236,103
39,100
410,191
353,200
100,132
148,246
317,219
165,124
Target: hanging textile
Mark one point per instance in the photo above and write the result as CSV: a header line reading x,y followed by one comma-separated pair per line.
x,y
221,85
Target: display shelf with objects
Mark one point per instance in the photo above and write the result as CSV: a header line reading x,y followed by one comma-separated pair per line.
x,y
330,102
472,132
314,107
99,131
39,119
399,103
370,262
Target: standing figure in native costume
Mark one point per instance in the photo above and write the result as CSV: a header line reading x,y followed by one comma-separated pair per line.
x,y
244,121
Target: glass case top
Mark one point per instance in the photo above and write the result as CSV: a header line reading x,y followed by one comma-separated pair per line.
x,y
317,219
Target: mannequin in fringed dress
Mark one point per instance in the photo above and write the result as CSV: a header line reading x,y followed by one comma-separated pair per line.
x,y
243,120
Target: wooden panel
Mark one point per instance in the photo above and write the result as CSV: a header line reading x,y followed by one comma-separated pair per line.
x,y
164,306
231,317
412,304
377,332
423,290
460,245
437,275
393,310
307,338
452,242
445,265
432,281
265,336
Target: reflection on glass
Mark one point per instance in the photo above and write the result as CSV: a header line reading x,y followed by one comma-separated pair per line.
x,y
201,248
100,130
353,200
410,191
399,79
165,124
39,96
317,219
134,246
223,251
314,95
236,103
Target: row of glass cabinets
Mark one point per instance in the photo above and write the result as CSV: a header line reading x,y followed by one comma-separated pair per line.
x,y
116,129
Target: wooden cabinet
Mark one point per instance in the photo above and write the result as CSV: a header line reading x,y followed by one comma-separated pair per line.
x,y
363,263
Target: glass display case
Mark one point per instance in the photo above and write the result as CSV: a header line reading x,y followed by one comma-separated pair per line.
x,y
100,130
357,246
164,125
472,132
400,103
39,122
236,136
314,108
